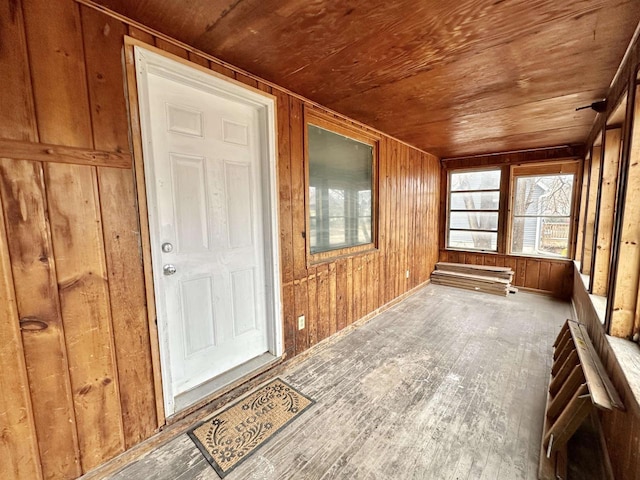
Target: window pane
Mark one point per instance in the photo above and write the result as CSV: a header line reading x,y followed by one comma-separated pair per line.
x,y
478,180
541,236
547,195
474,220
473,240
336,202
341,175
337,232
474,201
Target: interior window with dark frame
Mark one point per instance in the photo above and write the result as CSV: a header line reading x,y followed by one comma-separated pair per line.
x,y
341,190
473,209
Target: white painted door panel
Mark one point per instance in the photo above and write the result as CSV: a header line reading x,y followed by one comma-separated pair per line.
x,y
207,182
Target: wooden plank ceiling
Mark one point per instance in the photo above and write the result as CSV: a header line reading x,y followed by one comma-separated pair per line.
x,y
453,78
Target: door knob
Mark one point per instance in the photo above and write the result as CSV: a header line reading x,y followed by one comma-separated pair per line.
x,y
169,269
167,247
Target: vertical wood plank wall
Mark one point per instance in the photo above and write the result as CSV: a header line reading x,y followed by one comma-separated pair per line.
x,y
78,383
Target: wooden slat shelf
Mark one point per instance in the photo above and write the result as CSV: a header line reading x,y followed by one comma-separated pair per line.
x,y
578,385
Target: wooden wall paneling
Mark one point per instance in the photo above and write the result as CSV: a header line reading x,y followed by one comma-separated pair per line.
x,y
301,302
17,114
296,149
390,221
350,292
520,275
323,302
265,87
172,48
141,35
298,187
584,195
312,317
44,152
410,199
103,37
223,70
420,217
342,303
513,264
365,283
383,216
606,209
103,45
590,217
558,277
132,337
545,274
58,72
241,77
626,309
285,222
372,298
145,237
532,274
371,283
332,302
198,59
395,225
491,260
357,287
419,246
76,231
36,290
19,445
404,217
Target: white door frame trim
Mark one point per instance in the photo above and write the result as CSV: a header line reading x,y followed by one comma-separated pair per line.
x,y
147,61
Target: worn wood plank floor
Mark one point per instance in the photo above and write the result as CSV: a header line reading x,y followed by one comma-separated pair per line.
x,y
449,384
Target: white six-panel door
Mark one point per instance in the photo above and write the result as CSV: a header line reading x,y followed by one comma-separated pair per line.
x,y
209,207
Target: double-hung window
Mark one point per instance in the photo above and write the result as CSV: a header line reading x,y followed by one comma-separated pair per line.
x,y
542,203
474,207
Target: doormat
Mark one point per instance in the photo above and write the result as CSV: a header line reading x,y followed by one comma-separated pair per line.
x,y
227,439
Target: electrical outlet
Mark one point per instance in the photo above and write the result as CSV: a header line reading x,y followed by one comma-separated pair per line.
x,y
300,322
407,273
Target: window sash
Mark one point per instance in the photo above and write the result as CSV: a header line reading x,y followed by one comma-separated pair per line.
x,y
451,211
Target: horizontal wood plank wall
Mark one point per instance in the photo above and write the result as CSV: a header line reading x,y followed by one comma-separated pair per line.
x,y
620,428
71,274
544,275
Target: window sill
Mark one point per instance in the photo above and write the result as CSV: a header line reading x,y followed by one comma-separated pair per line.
x,y
627,354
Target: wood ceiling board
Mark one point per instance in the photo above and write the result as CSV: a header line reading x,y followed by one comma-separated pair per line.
x,y
495,79
408,65
530,141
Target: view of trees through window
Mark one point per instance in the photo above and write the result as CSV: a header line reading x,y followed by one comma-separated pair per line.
x,y
541,220
473,209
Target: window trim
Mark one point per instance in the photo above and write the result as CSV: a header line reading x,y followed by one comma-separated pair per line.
x,y
340,127
563,167
498,232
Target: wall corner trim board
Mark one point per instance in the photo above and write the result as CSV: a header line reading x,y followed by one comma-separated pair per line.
x,y
74,246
